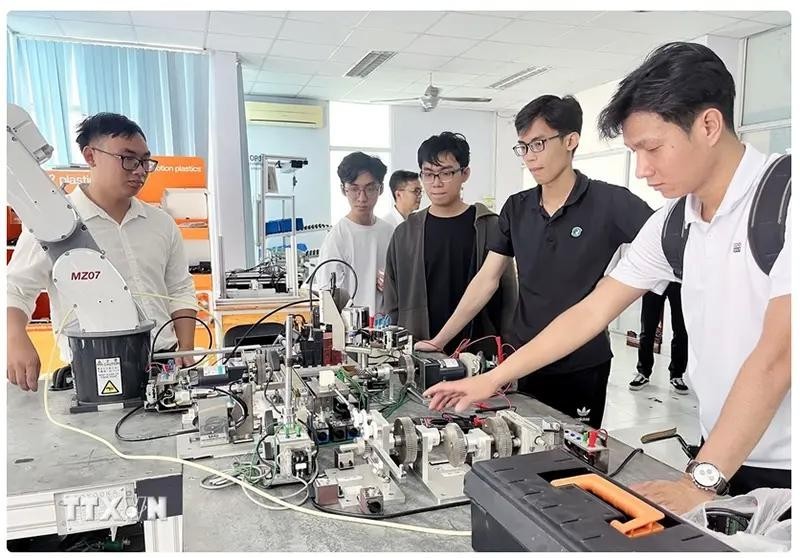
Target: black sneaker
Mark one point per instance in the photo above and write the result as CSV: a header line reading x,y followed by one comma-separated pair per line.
x,y
638,382
678,386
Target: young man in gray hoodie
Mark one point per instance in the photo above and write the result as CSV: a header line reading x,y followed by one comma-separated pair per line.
x,y
436,252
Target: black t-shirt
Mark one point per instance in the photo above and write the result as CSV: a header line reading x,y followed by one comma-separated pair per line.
x,y
449,261
560,258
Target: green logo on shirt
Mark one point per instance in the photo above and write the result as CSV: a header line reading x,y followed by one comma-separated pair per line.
x,y
576,232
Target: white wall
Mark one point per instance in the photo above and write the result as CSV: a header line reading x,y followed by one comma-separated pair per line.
x,y
411,126
312,193
509,168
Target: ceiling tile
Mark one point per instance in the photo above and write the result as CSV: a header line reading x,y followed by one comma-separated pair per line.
x,y
290,65
237,43
176,37
40,13
304,51
101,31
388,76
467,25
532,33
46,27
191,21
285,78
595,38
327,93
776,18
348,55
251,59
489,50
735,14
279,89
567,18
409,22
331,68
452,79
467,92
742,29
468,65
339,18
668,25
310,32
228,23
444,46
375,39
118,17
417,61
332,82
265,13
249,74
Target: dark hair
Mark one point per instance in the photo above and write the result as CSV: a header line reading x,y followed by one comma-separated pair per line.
x,y
106,124
356,163
400,177
564,115
446,142
677,81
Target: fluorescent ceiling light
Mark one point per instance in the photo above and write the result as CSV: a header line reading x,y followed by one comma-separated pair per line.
x,y
369,63
514,79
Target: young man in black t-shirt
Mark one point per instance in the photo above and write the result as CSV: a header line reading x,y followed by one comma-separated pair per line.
x,y
436,252
562,235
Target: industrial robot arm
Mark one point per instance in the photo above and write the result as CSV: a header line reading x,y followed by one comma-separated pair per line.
x,y
81,273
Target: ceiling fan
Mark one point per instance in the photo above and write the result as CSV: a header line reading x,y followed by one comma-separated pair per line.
x,y
430,98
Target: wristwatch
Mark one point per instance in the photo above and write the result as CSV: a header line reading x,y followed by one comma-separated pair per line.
x,y
706,476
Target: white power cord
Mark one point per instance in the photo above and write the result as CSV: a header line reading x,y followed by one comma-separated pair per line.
x,y
245,486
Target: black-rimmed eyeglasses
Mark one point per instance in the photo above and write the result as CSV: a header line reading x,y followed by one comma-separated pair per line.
x,y
130,163
536,146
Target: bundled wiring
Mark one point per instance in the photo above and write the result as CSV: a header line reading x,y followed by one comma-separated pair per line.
x,y
121,421
310,281
175,319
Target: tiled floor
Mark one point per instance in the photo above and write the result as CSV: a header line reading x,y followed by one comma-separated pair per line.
x,y
630,414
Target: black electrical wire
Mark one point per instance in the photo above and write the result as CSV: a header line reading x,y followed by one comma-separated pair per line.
x,y
252,327
239,401
627,460
145,438
195,318
381,516
310,281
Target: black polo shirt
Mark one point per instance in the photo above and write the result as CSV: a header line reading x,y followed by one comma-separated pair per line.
x,y
560,258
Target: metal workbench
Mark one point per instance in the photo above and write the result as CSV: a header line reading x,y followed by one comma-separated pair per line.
x,y
225,520
44,460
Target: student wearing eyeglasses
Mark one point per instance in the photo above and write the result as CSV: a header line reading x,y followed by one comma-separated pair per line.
x,y
359,238
436,252
407,193
562,234
142,242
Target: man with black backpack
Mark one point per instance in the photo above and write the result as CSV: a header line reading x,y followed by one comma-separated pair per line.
x,y
726,234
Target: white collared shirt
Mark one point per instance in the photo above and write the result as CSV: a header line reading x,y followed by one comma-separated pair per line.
x,y
725,295
147,250
394,217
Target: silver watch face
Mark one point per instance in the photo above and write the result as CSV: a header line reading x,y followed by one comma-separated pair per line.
x,y
706,475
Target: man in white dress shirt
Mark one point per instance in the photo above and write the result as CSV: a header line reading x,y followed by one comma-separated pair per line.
x,y
407,193
142,242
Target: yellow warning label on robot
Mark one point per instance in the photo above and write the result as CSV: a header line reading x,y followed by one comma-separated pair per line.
x,y
109,389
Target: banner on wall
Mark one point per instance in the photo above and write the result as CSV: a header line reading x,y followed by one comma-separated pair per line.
x,y
172,172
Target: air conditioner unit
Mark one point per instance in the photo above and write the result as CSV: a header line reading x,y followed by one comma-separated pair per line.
x,y
283,114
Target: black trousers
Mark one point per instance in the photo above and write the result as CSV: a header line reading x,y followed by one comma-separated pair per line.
x,y
580,394
652,311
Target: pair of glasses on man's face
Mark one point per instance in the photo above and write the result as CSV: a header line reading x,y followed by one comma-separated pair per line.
x,y
445,176
534,146
369,190
130,163
416,191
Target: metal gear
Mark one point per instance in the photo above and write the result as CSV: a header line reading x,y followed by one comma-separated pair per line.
x,y
406,440
405,369
455,444
498,429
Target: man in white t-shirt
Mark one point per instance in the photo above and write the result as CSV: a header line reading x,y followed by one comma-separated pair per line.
x,y
360,238
407,193
676,113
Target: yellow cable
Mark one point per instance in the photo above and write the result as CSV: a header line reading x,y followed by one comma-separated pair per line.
x,y
244,485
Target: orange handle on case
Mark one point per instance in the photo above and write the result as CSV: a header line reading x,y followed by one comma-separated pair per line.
x,y
644,517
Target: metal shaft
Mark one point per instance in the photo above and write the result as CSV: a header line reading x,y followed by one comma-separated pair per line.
x,y
288,412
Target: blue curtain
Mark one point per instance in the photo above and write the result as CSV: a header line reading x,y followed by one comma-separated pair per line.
x,y
165,92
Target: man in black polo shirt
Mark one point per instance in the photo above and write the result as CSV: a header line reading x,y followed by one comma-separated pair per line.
x,y
563,234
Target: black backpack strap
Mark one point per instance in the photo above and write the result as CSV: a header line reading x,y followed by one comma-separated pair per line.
x,y
674,235
767,222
